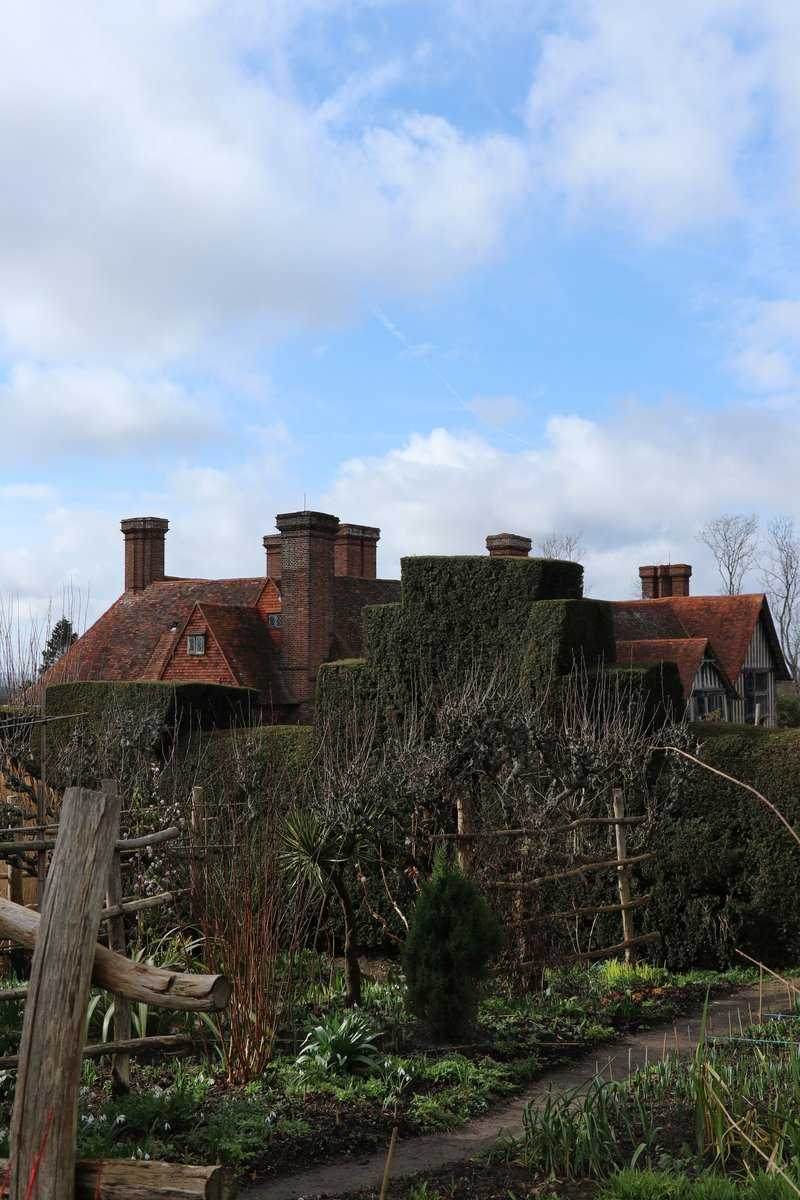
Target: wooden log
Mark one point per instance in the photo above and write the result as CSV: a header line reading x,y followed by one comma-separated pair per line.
x,y
150,839
596,910
130,907
121,1063
135,1179
610,951
45,1114
518,833
127,845
135,980
524,885
17,993
171,1043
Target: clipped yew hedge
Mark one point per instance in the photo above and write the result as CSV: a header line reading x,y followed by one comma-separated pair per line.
x,y
728,873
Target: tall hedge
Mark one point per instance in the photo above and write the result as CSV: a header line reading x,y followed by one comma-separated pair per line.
x,y
172,709
727,873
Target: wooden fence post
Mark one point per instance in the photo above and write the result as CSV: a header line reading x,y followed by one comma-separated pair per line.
x,y
44,1119
623,875
121,1062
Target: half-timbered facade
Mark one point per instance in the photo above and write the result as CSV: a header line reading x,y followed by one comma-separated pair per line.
x,y
726,647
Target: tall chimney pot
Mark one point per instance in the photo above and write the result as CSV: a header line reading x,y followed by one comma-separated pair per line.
x,y
667,579
144,551
508,545
272,545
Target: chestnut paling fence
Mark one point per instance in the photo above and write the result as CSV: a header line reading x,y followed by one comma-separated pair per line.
x,y
83,894
575,867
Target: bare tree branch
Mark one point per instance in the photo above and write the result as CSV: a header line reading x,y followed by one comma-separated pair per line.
x,y
780,570
731,538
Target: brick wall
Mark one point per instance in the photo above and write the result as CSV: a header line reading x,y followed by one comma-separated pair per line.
x,y
307,574
210,667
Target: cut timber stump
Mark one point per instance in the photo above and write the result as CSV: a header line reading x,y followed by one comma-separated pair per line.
x,y
132,1179
163,989
44,1119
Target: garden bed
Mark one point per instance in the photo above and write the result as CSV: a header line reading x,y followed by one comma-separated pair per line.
x,y
186,1111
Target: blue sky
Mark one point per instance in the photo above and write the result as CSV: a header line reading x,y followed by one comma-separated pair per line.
x,y
447,267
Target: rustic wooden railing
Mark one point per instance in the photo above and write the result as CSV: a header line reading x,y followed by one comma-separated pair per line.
x,y
66,960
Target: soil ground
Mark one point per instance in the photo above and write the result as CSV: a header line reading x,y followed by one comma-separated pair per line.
x,y
448,1154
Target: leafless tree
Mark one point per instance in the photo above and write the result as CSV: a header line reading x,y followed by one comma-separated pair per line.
x,y
732,539
780,570
566,546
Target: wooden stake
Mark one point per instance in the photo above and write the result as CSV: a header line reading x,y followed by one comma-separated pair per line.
x,y
623,877
121,1063
42,1161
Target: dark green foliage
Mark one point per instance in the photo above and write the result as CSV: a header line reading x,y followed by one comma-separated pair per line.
x,y
168,710
561,633
341,1044
219,756
660,684
59,642
727,872
451,940
344,691
789,710
502,588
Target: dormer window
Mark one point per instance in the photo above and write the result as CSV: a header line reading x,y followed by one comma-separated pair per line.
x,y
274,620
196,643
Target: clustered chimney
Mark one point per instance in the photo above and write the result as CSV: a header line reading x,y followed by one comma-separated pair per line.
x,y
508,545
669,579
272,545
144,551
355,552
307,572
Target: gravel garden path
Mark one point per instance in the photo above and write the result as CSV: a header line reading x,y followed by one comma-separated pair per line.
x,y
431,1152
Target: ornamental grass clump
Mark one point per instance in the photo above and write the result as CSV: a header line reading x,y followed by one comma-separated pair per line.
x,y
452,939
343,1044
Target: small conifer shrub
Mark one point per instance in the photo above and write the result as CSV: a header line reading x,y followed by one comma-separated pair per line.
x,y
451,941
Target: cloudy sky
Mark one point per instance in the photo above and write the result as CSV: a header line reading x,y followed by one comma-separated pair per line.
x,y
445,266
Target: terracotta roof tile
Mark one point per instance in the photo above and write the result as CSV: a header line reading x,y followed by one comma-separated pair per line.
x,y
728,622
242,635
686,653
125,642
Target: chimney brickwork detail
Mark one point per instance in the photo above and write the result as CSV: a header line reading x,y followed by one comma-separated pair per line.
x,y
144,551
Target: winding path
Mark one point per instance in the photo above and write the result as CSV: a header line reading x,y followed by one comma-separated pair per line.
x,y
440,1150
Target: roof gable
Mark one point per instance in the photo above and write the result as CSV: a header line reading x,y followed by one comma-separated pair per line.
x,y
727,622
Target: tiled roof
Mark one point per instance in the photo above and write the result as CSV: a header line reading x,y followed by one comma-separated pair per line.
x,y
728,622
686,653
243,637
129,640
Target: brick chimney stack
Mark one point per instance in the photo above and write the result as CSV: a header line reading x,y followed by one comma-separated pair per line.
x,y
508,545
144,551
307,571
668,579
272,545
355,553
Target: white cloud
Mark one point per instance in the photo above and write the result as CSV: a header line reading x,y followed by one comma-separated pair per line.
x,y
768,332
164,182
55,410
639,486
644,110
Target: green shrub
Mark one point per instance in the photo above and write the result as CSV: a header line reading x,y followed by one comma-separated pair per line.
x,y
344,1044
451,941
789,711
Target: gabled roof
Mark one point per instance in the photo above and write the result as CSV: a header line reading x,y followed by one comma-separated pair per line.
x,y
727,622
242,635
687,653
129,641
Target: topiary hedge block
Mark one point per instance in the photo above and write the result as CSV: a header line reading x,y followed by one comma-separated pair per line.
x,y
562,633
727,871
217,757
345,694
500,589
178,707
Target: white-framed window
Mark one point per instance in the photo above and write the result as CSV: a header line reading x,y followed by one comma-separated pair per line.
x,y
274,620
196,643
